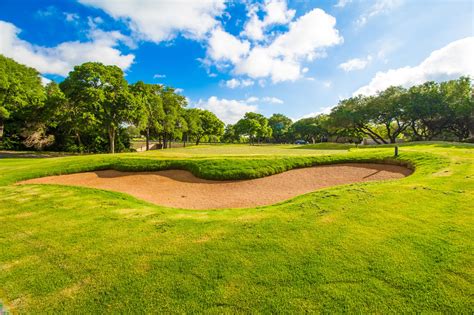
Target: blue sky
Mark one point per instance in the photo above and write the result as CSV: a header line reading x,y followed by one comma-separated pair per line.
x,y
297,57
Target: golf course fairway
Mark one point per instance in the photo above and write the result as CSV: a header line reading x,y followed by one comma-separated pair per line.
x,y
402,245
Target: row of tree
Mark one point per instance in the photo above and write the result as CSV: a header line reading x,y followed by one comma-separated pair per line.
x,y
93,110
96,110
423,112
430,111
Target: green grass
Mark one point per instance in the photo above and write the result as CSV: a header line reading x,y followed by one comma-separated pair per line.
x,y
379,247
327,146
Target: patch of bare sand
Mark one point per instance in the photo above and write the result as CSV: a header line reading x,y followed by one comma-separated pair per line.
x,y
181,189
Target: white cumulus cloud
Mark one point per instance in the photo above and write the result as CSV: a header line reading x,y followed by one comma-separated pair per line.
x,y
276,12
282,59
265,100
229,111
272,100
223,46
355,64
62,58
235,83
157,21
449,62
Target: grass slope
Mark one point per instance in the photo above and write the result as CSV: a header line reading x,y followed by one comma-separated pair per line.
x,y
395,246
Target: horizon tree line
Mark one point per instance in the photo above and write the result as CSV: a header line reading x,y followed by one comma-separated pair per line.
x,y
95,109
429,111
92,110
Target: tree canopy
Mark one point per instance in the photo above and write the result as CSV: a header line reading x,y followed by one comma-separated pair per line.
x,y
280,125
423,112
102,92
254,126
95,109
149,111
311,129
21,94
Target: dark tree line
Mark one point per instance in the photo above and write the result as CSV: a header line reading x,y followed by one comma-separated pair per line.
x,y
430,111
93,110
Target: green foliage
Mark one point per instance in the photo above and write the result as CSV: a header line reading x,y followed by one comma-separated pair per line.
x,y
427,111
149,109
280,125
424,112
254,126
311,129
103,92
21,96
90,110
193,123
172,105
209,125
458,97
230,135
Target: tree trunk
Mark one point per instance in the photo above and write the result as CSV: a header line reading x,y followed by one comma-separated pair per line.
x,y
165,143
373,138
417,135
147,139
389,134
198,139
112,139
372,134
377,138
78,137
2,127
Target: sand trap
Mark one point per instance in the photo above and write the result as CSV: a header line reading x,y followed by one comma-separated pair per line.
x,y
181,189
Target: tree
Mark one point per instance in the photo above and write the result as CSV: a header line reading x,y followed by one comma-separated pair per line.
x,y
209,125
388,109
254,126
427,113
172,105
311,128
150,110
102,93
230,135
337,132
191,118
351,114
280,125
21,93
40,131
366,114
457,94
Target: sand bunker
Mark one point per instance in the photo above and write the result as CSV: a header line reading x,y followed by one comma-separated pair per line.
x,y
181,189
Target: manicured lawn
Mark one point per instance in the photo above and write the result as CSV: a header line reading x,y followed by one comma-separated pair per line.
x,y
395,246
